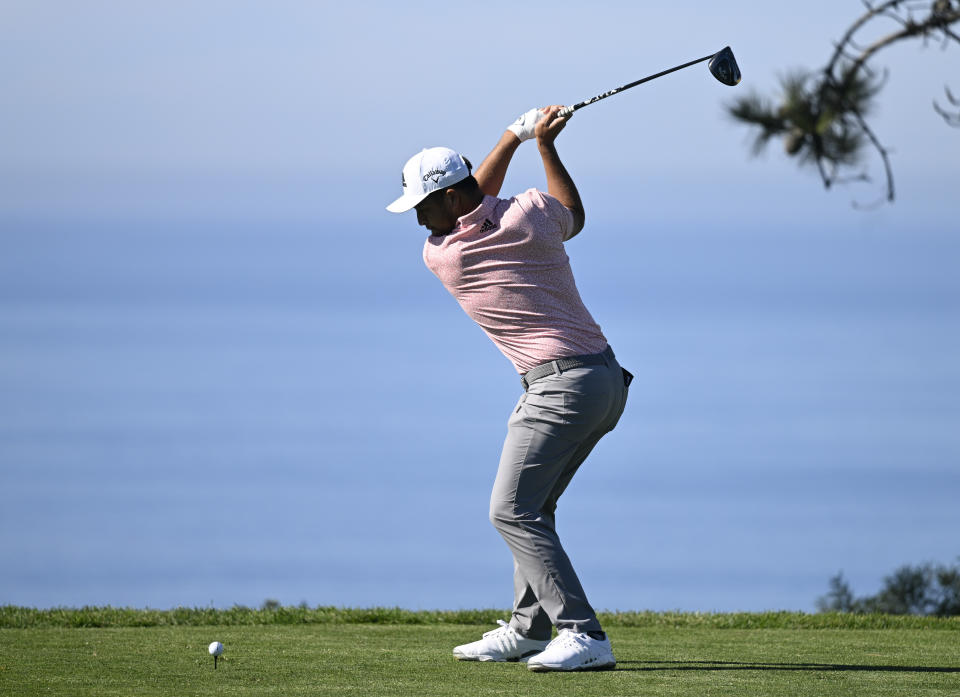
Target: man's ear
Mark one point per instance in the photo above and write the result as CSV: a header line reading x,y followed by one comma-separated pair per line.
x,y
452,198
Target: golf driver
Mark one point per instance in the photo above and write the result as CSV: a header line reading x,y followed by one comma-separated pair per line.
x,y
723,66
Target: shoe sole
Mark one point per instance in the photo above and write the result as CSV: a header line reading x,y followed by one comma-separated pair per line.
x,y
545,668
491,659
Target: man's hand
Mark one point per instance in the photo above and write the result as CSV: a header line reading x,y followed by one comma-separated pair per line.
x,y
523,127
549,127
543,124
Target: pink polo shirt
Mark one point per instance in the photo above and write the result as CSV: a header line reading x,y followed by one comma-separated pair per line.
x,y
505,264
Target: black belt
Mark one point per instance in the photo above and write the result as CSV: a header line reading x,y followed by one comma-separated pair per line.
x,y
561,364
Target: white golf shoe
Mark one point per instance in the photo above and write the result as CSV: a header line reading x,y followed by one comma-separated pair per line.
x,y
501,644
573,651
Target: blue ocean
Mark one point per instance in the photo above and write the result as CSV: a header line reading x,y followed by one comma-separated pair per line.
x,y
218,414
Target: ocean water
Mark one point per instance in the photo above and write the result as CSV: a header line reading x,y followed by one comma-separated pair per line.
x,y
220,414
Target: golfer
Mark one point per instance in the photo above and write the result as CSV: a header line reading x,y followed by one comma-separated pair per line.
x,y
504,262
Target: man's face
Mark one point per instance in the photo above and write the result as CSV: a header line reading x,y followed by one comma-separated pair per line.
x,y
435,213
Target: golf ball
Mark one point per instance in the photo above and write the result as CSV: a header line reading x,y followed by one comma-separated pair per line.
x,y
215,649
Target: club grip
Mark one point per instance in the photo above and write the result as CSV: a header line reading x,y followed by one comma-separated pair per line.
x,y
565,111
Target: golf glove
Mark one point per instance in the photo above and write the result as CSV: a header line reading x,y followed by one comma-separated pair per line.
x,y
523,128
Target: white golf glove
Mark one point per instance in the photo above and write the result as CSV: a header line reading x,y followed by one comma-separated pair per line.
x,y
523,128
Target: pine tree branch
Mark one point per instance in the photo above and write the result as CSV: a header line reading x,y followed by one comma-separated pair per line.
x,y
952,118
822,117
848,36
910,29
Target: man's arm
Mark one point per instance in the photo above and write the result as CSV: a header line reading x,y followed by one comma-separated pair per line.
x,y
559,183
493,170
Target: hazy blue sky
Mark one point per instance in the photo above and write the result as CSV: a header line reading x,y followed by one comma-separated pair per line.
x,y
307,109
226,375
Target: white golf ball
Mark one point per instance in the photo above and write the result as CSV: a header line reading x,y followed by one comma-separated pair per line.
x,y
215,649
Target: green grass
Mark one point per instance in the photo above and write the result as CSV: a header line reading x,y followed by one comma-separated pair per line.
x,y
325,651
14,617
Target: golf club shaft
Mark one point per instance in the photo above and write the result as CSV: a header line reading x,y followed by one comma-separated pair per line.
x,y
567,110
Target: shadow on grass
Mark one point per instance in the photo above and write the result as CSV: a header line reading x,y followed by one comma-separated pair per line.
x,y
738,665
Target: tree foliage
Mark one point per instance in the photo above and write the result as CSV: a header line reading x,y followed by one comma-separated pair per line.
x,y
932,590
821,116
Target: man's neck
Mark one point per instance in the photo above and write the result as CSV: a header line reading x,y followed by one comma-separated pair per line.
x,y
470,204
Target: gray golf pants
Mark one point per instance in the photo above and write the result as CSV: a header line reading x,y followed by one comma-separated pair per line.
x,y
555,425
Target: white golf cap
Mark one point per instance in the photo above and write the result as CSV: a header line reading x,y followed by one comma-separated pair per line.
x,y
429,170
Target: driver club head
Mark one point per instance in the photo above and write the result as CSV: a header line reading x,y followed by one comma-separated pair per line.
x,y
723,66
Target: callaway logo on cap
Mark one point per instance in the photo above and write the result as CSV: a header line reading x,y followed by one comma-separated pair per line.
x,y
430,170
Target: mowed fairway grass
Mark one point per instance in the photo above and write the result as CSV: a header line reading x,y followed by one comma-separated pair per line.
x,y
298,651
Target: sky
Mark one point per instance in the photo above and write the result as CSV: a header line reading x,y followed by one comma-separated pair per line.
x,y
294,109
203,185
